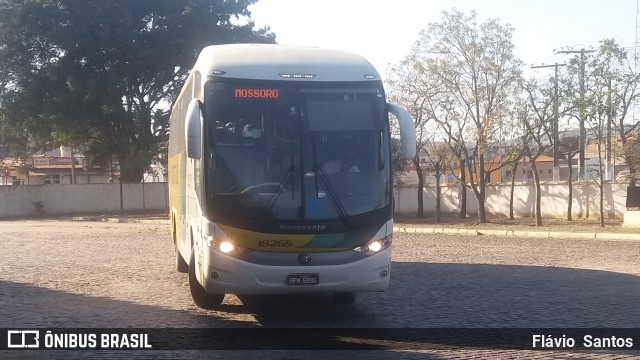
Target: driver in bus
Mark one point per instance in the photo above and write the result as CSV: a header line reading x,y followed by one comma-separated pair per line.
x,y
346,164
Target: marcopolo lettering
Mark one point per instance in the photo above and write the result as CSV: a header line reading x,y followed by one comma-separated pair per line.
x,y
286,227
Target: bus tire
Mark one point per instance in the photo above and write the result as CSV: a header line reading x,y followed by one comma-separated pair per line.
x,y
200,297
344,297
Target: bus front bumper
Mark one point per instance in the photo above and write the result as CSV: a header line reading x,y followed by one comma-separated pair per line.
x,y
227,275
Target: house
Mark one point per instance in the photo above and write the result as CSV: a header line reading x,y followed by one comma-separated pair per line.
x,y
53,167
498,171
497,157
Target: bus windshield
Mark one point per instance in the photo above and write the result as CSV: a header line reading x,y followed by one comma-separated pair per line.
x,y
296,153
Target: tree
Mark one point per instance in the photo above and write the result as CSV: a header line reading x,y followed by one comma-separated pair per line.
x,y
407,89
458,149
611,90
537,119
597,123
604,102
439,155
620,83
631,150
612,87
513,160
475,65
100,75
569,147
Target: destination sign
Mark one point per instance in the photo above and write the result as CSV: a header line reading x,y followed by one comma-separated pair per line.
x,y
257,93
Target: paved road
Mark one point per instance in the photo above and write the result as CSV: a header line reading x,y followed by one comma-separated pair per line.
x,y
90,274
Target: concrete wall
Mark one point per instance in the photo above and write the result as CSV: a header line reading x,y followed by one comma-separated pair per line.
x,y
586,201
16,201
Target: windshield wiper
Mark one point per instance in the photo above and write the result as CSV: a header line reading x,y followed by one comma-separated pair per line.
x,y
335,200
333,197
287,176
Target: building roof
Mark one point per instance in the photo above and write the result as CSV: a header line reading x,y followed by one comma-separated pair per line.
x,y
541,158
499,158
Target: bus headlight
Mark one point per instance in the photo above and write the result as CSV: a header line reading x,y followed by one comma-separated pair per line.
x,y
374,246
225,246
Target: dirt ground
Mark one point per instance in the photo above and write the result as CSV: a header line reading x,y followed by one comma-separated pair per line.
x,y
590,225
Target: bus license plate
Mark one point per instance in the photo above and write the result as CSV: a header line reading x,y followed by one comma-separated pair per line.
x,y
303,279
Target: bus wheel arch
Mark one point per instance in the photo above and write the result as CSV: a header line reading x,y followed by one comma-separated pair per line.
x,y
200,296
174,234
180,264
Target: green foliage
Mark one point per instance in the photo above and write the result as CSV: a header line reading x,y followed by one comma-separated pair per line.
x,y
397,163
100,75
631,150
610,90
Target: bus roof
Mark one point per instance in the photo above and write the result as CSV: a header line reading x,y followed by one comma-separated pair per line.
x,y
281,62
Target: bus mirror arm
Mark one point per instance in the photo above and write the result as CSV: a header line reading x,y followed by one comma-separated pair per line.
x,y
407,131
194,129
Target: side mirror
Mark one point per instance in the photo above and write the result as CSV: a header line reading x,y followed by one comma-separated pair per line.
x,y
193,124
407,131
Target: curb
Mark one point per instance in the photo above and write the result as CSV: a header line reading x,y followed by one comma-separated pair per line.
x,y
426,230
120,220
519,234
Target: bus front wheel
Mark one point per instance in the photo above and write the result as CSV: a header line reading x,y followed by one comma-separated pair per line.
x,y
200,297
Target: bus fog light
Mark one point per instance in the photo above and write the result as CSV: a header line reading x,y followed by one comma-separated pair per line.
x,y
384,273
226,247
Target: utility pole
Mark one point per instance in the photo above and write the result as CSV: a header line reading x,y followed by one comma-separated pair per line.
x,y
581,119
556,120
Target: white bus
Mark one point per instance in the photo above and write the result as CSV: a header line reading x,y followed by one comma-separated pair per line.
x,y
280,173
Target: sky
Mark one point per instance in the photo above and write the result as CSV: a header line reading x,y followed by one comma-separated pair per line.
x,y
383,31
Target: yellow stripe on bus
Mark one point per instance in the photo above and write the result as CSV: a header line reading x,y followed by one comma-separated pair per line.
x,y
271,242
